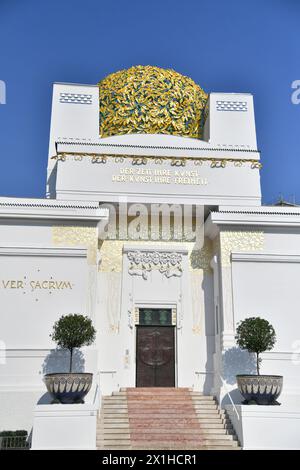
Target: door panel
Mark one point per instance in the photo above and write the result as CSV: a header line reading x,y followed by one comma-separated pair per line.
x,y
155,356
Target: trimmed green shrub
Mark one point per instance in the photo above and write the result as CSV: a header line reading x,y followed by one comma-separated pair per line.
x,y
73,331
256,335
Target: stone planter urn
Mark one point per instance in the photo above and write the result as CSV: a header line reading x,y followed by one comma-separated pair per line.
x,y
68,388
70,332
260,389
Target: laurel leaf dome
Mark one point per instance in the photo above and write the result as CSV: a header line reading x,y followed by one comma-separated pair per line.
x,y
150,100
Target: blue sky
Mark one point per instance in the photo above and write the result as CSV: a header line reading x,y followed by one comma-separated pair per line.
x,y
232,46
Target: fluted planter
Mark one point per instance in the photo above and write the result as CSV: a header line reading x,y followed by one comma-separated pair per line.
x,y
260,389
68,388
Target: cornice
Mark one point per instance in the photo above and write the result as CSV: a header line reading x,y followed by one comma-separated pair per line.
x,y
43,251
266,257
50,209
155,147
250,218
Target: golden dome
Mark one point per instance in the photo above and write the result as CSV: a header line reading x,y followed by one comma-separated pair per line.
x,y
150,100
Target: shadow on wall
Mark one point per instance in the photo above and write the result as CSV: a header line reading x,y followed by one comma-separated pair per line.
x,y
58,360
236,361
207,287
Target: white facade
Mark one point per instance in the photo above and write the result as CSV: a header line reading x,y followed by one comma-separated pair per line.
x,y
53,259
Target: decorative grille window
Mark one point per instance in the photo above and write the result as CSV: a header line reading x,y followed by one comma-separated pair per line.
x,y
155,316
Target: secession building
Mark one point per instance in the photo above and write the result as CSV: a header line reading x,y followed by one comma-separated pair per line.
x,y
152,215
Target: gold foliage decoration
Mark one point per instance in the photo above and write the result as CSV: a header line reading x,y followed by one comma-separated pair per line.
x,y
150,100
239,241
80,236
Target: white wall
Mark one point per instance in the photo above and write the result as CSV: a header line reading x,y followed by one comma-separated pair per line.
x,y
261,427
81,179
74,115
270,289
29,261
231,120
31,304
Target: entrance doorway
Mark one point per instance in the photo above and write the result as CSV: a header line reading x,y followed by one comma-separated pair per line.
x,y
155,349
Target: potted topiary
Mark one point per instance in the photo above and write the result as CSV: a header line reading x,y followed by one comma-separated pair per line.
x,y
70,332
258,335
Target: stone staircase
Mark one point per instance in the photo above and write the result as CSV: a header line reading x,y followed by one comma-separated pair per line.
x,y
163,419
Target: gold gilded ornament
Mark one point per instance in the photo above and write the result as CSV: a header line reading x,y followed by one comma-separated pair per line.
x,y
66,235
150,100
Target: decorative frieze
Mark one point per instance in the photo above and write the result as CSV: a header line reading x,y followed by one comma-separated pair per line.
x,y
111,253
141,263
239,241
162,160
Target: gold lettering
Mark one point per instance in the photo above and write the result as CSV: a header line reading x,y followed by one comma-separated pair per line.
x,y
159,176
12,284
45,284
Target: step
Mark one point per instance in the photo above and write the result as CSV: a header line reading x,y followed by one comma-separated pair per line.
x,y
220,442
187,413
181,446
181,431
177,395
121,437
116,410
115,405
113,426
218,437
204,402
220,448
211,433
177,421
210,425
173,427
170,409
165,396
165,445
116,442
163,416
115,434
115,448
156,389
162,403
205,406
210,420
169,421
115,397
211,411
115,420
194,440
110,401
167,431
